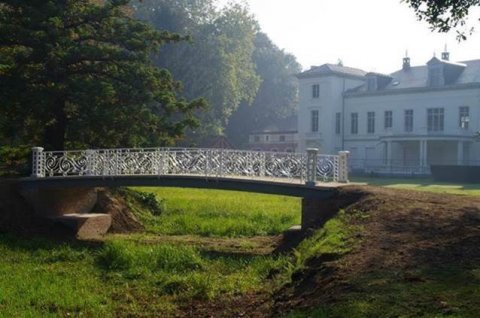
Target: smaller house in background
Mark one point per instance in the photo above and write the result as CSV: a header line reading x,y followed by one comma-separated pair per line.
x,y
278,137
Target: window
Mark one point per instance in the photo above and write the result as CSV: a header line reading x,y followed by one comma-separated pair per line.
x,y
435,119
388,119
282,138
257,138
409,120
354,123
314,124
267,137
338,123
371,83
463,117
370,122
435,76
315,91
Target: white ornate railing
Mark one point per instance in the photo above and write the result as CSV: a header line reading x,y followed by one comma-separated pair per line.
x,y
190,161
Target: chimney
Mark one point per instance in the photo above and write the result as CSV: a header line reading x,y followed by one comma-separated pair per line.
x,y
406,63
445,54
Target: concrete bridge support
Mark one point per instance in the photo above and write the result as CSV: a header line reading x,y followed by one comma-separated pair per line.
x,y
69,207
316,211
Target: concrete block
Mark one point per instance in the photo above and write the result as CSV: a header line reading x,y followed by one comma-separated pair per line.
x,y
86,226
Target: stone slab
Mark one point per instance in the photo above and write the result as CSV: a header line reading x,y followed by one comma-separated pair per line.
x,y
86,226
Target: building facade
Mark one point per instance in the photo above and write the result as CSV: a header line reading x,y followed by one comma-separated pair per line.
x,y
278,137
393,123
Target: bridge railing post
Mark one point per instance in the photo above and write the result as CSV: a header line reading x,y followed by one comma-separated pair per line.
x,y
90,166
312,154
38,162
343,166
208,155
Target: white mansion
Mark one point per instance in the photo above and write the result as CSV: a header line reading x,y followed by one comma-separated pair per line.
x,y
402,122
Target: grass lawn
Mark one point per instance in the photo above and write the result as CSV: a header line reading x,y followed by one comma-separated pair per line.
x,y
120,279
220,213
128,276
428,185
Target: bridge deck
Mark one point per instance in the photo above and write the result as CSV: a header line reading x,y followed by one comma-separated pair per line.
x,y
284,186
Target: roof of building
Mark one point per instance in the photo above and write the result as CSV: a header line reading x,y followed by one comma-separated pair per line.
x,y
456,74
332,69
417,76
286,125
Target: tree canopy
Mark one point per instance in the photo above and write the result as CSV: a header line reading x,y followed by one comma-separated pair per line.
x,y
277,97
246,79
444,15
79,73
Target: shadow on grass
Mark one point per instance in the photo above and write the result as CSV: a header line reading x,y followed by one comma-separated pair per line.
x,y
14,242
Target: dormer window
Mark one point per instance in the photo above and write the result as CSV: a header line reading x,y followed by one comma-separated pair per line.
x,y
377,81
315,91
372,83
435,76
441,72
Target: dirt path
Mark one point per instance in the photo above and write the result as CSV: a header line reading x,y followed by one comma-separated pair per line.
x,y
257,245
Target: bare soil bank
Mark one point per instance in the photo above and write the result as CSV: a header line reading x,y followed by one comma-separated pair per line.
x,y
399,231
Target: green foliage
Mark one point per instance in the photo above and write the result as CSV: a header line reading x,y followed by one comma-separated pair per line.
x,y
219,213
445,15
277,97
147,200
79,74
217,63
334,239
14,161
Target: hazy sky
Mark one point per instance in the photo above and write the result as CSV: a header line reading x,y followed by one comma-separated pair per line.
x,y
368,34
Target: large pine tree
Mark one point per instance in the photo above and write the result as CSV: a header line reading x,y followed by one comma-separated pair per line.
x,y
78,73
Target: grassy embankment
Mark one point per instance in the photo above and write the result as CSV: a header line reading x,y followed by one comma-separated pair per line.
x,y
431,290
130,276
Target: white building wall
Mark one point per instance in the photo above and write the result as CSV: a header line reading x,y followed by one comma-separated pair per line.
x,y
328,104
449,100
418,147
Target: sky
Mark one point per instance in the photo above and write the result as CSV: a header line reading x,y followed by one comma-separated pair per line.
x,y
373,35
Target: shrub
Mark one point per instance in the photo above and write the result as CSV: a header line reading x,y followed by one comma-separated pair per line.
x,y
146,200
15,161
125,256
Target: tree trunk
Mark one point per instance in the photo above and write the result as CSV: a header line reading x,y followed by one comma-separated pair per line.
x,y
55,133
